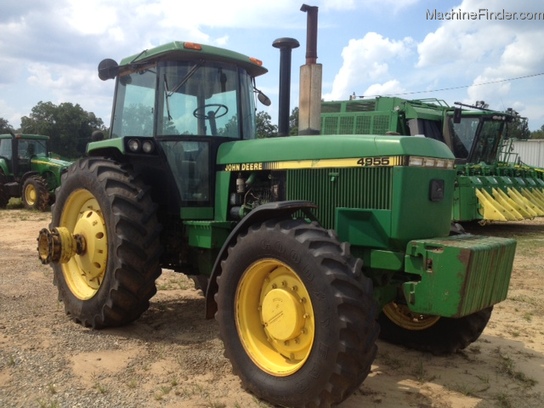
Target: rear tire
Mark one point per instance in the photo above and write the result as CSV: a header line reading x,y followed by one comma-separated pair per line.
x,y
4,199
110,284
296,315
438,335
35,194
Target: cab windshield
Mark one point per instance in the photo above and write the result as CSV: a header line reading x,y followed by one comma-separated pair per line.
x,y
191,98
476,139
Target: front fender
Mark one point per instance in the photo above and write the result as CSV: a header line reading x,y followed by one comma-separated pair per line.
x,y
278,209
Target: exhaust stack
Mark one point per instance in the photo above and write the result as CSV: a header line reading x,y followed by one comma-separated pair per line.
x,y
309,109
285,46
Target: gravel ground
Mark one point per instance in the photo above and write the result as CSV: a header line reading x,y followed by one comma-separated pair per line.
x,y
172,356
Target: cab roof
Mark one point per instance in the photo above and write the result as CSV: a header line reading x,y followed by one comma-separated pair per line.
x,y
181,50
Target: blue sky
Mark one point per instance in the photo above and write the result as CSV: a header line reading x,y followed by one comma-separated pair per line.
x,y
473,50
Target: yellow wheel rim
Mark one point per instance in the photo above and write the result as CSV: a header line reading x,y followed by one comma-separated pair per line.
x,y
274,317
82,215
31,195
403,317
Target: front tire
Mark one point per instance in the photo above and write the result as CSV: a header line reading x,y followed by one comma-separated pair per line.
x,y
438,335
111,282
296,315
4,199
35,194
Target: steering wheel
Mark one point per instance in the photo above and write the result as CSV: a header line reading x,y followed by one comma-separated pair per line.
x,y
219,110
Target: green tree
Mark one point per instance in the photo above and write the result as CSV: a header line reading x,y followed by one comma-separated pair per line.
x,y
293,122
230,128
265,127
538,134
137,120
5,127
518,129
69,126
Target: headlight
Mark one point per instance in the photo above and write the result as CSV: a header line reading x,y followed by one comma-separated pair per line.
x,y
148,146
133,145
417,161
427,162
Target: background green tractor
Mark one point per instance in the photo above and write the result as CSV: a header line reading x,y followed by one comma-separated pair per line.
x,y
28,170
490,185
300,244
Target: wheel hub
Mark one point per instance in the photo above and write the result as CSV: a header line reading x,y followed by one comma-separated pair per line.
x,y
59,245
282,315
277,326
93,261
31,195
403,317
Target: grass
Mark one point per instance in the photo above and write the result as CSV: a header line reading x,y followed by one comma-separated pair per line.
x,y
163,390
101,388
471,389
503,400
507,367
48,404
175,282
15,203
15,212
392,362
420,373
215,404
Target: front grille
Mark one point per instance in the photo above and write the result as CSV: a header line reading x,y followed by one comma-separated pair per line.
x,y
364,188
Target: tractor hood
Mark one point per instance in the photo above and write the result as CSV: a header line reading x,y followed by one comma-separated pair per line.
x,y
50,161
319,148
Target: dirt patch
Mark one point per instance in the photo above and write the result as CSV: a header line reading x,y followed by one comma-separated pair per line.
x,y
172,356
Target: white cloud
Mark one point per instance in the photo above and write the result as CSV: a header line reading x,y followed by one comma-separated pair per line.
x,y
8,113
391,87
486,50
522,57
58,45
367,59
383,5
90,18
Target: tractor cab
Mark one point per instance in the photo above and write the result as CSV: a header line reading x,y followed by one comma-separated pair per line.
x,y
18,150
476,135
175,105
27,170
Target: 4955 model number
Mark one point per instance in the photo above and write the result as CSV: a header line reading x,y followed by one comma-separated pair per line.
x,y
374,161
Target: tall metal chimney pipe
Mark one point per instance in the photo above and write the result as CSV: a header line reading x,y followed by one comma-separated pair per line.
x,y
285,46
311,33
309,108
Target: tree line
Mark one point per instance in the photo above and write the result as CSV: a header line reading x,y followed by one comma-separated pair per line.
x,y
70,127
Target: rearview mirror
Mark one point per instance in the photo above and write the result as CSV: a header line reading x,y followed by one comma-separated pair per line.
x,y
265,100
107,69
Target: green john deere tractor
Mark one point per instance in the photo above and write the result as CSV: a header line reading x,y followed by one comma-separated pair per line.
x,y
303,245
28,171
489,186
